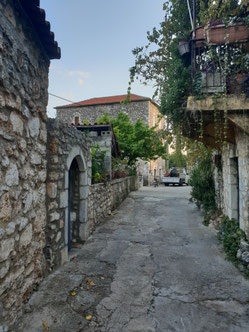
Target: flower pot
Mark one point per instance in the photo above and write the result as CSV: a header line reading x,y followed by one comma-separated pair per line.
x,y
218,34
183,47
199,36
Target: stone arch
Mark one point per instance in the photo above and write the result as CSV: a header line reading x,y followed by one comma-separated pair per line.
x,y
76,168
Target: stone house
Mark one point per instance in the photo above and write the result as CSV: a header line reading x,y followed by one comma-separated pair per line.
x,y
139,107
26,47
222,118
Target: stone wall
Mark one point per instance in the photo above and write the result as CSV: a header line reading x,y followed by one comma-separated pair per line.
x,y
135,109
233,190
23,136
103,198
67,193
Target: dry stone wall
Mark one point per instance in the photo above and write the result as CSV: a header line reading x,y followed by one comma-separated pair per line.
x,y
103,198
65,145
23,137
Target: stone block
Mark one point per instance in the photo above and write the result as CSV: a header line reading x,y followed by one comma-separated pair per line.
x,y
53,146
39,222
5,207
54,159
12,175
34,127
52,190
35,158
10,229
1,233
4,269
73,216
16,123
22,144
53,176
53,205
26,236
64,199
42,176
43,136
5,161
84,190
28,200
58,237
54,216
29,269
22,223
52,227
6,247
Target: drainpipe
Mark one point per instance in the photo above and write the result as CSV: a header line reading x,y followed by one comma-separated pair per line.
x,y
190,15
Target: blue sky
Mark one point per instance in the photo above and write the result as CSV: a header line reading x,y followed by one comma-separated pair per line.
x,y
96,39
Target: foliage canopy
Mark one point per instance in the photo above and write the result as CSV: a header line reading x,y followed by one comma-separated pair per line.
x,y
160,62
136,140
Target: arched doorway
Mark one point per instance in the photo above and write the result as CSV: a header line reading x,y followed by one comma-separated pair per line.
x,y
73,204
76,185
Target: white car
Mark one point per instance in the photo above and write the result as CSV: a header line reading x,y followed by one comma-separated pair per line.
x,y
176,176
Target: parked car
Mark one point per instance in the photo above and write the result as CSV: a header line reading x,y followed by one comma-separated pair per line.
x,y
176,176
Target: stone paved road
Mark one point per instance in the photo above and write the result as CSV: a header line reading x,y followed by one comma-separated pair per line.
x,y
155,267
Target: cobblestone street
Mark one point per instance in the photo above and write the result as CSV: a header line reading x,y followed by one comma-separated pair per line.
x,y
151,267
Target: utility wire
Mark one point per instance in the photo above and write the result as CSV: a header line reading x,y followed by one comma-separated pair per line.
x,y
72,102
51,94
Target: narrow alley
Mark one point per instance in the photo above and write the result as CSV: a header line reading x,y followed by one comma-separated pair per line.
x,y
151,267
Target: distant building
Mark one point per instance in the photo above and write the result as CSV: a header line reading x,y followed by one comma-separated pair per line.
x,y
139,107
103,135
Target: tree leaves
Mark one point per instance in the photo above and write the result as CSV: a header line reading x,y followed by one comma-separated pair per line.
x,y
136,140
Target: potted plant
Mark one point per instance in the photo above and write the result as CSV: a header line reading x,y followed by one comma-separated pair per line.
x,y
183,47
220,34
217,33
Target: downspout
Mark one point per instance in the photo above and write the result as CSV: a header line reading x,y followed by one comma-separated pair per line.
x,y
190,15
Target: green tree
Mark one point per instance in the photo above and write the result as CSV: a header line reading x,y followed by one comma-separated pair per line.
x,y
98,167
136,140
159,60
177,160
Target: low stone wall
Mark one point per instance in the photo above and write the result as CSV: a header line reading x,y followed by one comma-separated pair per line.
x,y
103,198
66,193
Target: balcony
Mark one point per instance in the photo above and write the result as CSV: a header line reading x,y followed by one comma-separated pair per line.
x,y
220,60
219,97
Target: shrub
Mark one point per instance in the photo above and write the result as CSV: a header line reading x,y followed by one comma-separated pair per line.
x,y
230,235
202,182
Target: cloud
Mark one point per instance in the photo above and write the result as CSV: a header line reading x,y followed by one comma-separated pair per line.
x,y
70,73
78,73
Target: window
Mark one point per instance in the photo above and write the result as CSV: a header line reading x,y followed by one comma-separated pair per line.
x,y
77,120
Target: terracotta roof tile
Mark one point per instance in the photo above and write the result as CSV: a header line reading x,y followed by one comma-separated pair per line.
x,y
106,100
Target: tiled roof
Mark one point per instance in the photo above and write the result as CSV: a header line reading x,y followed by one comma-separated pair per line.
x,y
106,100
37,17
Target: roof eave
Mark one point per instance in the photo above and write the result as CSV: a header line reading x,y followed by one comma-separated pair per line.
x,y
110,103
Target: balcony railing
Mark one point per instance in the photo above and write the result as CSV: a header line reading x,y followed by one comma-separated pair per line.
x,y
220,59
